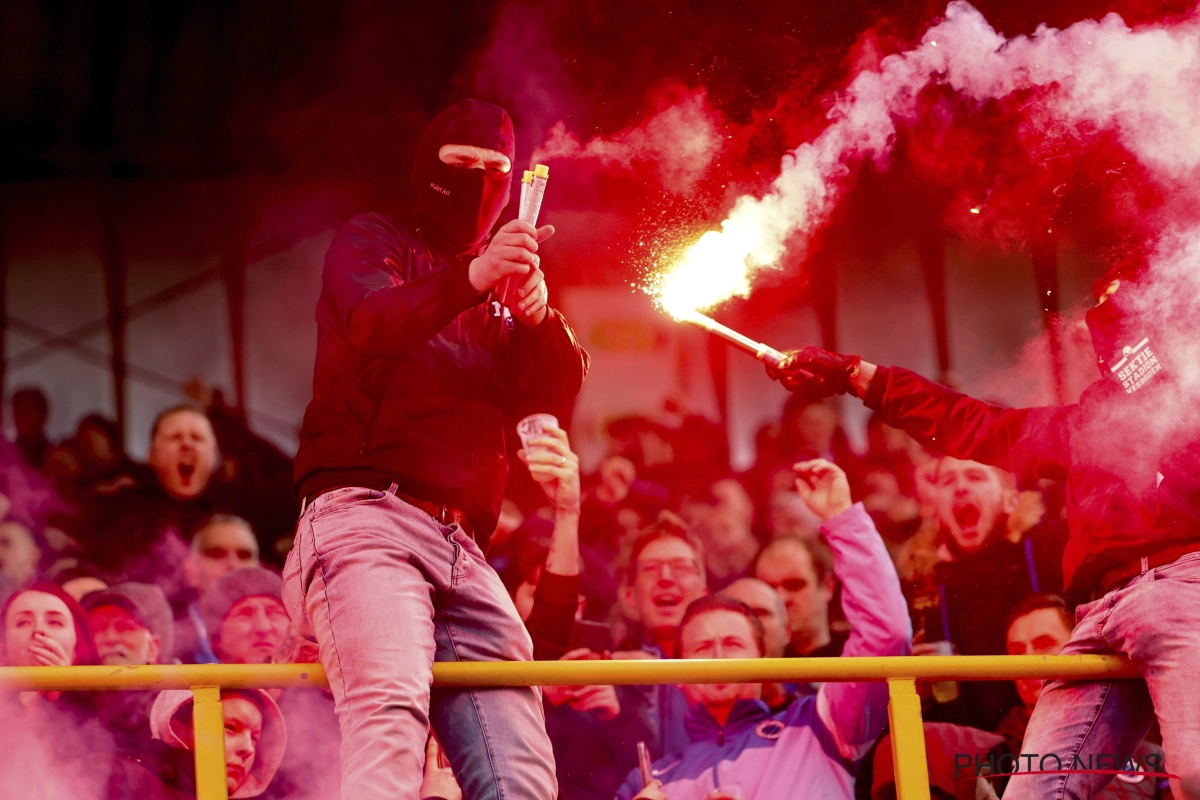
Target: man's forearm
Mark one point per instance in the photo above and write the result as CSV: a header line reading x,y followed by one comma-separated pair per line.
x,y
871,595
563,557
389,322
879,626
546,365
1027,441
862,379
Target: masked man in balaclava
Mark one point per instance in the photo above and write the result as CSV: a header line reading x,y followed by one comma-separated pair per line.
x,y
401,470
1129,452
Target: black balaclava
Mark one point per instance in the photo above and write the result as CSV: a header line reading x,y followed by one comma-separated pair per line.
x,y
463,203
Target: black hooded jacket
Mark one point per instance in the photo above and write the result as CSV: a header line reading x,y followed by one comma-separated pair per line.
x,y
414,375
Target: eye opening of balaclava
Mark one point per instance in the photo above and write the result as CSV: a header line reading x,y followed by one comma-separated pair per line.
x,y
463,203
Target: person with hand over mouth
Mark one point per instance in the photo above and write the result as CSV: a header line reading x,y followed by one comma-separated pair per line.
x,y
401,469
43,732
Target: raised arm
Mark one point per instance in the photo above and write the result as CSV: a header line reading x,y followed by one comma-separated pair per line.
x,y
556,468
855,713
1031,442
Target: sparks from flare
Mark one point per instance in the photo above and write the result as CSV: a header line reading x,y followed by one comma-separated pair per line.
x,y
718,266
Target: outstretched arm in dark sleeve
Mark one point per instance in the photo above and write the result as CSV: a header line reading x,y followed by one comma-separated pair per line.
x,y
1028,441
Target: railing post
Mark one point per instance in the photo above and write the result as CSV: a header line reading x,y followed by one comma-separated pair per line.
x,y
208,726
908,740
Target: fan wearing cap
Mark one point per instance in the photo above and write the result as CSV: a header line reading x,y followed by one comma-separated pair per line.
x,y
1129,454
401,468
131,624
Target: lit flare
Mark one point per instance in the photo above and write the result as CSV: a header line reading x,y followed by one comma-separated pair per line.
x,y
718,266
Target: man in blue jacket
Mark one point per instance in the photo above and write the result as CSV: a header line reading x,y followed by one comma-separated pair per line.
x,y
401,470
811,750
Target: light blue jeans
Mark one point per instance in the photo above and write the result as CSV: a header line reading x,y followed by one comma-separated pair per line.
x,y
386,590
1155,621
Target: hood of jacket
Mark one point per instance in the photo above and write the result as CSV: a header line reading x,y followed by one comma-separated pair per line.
x,y
271,746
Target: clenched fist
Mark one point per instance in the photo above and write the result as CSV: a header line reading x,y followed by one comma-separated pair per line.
x,y
815,373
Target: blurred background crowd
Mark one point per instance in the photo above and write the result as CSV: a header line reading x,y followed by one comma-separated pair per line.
x,y
175,560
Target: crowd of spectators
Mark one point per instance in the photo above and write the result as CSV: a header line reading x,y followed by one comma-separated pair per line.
x,y
818,550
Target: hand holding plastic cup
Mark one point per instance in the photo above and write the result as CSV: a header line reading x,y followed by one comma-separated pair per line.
x,y
532,427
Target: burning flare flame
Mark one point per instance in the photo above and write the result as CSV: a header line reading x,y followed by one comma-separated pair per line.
x,y
720,265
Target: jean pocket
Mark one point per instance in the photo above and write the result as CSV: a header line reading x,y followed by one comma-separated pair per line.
x,y
293,592
462,556
346,497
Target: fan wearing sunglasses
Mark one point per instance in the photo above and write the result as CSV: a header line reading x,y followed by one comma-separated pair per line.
x,y
801,573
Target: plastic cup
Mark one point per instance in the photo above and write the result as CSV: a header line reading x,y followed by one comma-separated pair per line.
x,y
534,426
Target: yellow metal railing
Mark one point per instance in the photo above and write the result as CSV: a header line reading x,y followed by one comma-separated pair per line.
x,y
901,673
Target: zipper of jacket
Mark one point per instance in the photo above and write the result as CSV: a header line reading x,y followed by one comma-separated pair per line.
x,y
370,427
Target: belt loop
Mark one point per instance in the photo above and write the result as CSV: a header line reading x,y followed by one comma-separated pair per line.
x,y
1145,564
303,505
392,489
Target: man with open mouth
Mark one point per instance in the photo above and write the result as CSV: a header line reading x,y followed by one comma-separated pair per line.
x,y
1129,454
979,577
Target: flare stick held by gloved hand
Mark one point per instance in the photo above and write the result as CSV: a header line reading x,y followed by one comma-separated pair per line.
x,y
764,353
815,373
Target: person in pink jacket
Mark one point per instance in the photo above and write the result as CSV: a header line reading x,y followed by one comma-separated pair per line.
x,y
813,749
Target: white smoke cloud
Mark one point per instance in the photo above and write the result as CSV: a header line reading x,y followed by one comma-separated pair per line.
x,y
1095,75
679,141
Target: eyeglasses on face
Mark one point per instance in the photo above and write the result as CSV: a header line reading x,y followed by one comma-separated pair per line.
x,y
683,567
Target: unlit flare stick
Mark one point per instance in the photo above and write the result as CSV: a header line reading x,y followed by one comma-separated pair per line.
x,y
526,183
768,355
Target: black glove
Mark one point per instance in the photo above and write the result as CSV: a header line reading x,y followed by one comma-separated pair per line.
x,y
815,373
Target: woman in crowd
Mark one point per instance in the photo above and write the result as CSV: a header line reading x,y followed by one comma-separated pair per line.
x,y
42,731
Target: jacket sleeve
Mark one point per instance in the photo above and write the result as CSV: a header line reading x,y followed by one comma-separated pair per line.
x,y
632,785
1032,442
371,304
544,365
552,619
855,713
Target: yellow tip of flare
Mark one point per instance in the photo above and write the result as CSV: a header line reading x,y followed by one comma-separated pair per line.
x,y
541,171
527,177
